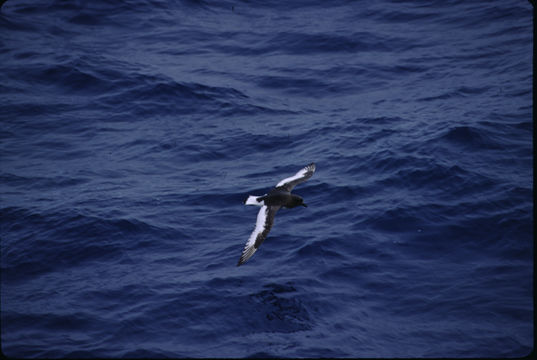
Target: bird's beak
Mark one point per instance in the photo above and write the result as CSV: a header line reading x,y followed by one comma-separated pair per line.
x,y
305,205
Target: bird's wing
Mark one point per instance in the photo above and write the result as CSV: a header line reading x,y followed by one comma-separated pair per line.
x,y
265,219
301,176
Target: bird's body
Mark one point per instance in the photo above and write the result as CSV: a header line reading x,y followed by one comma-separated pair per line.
x,y
279,196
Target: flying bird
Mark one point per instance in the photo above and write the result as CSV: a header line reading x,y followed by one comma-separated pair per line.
x,y
270,203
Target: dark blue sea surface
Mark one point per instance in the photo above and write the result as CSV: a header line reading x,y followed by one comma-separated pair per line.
x,y
132,131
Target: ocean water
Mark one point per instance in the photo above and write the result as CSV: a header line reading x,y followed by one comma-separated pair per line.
x,y
132,131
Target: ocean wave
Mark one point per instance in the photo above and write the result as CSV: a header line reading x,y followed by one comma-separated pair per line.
x,y
467,136
52,238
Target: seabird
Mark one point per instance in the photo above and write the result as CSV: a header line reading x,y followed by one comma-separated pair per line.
x,y
270,203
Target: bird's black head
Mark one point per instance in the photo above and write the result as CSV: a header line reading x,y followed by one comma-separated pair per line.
x,y
295,201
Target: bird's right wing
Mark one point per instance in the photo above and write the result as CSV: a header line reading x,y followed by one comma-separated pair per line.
x,y
265,219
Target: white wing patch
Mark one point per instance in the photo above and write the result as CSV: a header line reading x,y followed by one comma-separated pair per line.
x,y
302,173
249,248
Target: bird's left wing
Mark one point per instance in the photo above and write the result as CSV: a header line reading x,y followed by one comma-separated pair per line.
x,y
265,219
301,176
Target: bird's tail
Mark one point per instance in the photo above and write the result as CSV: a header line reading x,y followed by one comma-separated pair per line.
x,y
254,200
